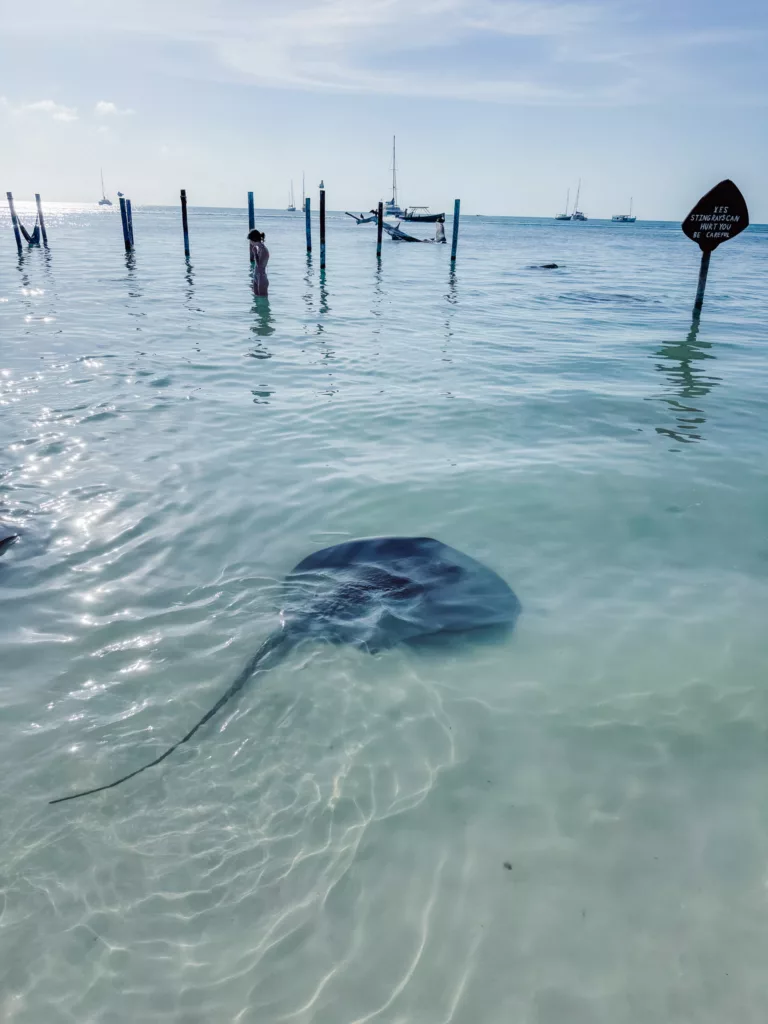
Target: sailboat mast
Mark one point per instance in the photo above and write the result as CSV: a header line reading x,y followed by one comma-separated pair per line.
x,y
303,193
630,206
394,173
578,190
567,199
103,193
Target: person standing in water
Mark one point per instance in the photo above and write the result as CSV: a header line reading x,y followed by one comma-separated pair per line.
x,y
259,261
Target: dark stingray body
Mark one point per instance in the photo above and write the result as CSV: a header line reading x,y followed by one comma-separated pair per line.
x,y
373,594
6,539
386,590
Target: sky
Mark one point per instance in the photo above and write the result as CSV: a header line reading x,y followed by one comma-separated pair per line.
x,y
503,103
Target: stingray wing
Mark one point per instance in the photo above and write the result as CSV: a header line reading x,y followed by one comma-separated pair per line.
x,y
383,590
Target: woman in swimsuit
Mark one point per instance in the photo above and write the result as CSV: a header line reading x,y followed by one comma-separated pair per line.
x,y
259,260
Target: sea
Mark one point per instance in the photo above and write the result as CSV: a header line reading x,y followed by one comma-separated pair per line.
x,y
564,825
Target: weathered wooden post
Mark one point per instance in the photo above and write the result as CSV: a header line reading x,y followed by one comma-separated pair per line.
x,y
455,240
322,226
126,229
251,213
702,282
14,220
129,215
379,229
41,219
719,215
184,223
308,223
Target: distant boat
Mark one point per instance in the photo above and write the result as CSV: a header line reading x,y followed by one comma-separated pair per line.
x,y
412,213
291,203
566,215
104,201
577,214
422,215
625,218
391,209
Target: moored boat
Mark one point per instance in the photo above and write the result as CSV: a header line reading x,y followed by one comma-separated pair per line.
x,y
104,201
565,215
625,218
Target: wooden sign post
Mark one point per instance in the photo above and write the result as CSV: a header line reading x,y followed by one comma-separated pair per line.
x,y
184,221
379,226
322,226
719,215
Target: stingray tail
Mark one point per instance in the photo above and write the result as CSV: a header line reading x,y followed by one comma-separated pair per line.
x,y
270,645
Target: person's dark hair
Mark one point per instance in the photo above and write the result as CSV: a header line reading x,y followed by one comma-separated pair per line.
x,y
256,236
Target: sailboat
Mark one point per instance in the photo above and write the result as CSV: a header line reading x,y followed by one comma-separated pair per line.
x,y
566,215
625,218
577,214
104,201
414,213
291,203
391,209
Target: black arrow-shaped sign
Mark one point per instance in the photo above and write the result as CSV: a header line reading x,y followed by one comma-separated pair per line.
x,y
719,215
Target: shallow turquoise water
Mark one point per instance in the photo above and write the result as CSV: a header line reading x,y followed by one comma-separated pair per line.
x,y
332,849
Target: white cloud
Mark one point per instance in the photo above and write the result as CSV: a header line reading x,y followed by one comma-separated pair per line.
x,y
105,108
508,51
346,45
57,111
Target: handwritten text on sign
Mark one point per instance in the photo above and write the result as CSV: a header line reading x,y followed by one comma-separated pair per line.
x,y
718,216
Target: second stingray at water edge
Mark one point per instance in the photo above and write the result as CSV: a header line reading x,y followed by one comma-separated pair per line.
x,y
372,593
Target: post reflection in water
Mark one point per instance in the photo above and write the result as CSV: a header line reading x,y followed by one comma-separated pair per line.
x,y
688,383
134,291
324,307
22,269
378,295
325,349
308,295
452,299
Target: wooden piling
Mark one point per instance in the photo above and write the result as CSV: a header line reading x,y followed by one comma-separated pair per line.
x,y
379,229
703,271
41,219
184,222
14,220
251,213
322,229
455,239
129,215
308,223
126,230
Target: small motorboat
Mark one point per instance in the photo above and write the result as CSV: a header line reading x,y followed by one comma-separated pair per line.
x,y
422,215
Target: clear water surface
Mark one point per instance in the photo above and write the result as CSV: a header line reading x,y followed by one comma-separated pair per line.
x,y
570,825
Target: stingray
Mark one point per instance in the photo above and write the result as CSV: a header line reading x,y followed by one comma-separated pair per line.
x,y
372,594
6,539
